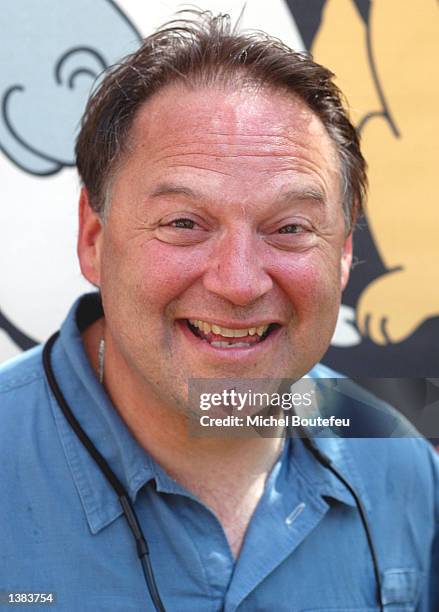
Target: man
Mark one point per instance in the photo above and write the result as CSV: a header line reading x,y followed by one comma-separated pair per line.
x,y
221,181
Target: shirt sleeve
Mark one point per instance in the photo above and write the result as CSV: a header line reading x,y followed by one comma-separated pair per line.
x,y
434,573
430,598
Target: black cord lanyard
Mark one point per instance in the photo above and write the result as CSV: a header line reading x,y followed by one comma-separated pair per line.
x,y
128,510
327,463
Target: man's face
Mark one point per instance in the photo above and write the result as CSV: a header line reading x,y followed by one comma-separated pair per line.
x,y
225,215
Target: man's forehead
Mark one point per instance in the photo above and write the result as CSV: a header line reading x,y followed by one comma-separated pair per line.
x,y
226,114
242,136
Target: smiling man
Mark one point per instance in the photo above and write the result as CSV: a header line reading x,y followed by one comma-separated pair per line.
x,y
221,182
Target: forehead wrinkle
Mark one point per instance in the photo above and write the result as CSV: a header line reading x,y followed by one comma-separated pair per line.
x,y
279,139
193,166
283,146
286,161
305,193
200,145
233,134
217,156
290,164
205,150
263,137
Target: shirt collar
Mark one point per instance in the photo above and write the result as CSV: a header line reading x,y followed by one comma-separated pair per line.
x,y
338,450
131,464
321,479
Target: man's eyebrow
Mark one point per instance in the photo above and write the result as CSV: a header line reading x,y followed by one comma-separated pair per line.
x,y
294,194
306,193
172,189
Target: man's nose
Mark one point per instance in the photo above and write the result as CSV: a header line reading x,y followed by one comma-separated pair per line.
x,y
236,272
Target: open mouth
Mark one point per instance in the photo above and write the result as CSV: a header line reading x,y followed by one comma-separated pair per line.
x,y
224,337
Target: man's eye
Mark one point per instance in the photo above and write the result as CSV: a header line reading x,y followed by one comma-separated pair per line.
x,y
183,223
291,228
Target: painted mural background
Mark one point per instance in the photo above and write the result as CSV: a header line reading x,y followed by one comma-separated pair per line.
x,y
384,54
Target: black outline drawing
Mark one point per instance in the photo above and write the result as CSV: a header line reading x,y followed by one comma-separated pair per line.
x,y
21,339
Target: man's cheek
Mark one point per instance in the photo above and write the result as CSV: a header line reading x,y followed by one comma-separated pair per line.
x,y
305,282
169,276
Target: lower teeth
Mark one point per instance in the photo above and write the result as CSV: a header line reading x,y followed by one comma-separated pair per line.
x,y
229,344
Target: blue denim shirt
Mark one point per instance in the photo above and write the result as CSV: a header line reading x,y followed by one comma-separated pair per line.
x,y
62,529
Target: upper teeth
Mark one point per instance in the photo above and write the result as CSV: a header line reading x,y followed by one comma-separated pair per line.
x,y
226,331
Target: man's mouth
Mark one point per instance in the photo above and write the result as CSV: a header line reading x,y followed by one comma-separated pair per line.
x,y
225,337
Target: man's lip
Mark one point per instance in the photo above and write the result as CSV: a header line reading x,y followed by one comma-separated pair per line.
x,y
231,354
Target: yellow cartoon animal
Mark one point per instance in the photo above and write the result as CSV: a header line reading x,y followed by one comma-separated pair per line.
x,y
389,73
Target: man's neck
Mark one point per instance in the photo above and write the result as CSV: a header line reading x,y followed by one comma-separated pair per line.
x,y
227,474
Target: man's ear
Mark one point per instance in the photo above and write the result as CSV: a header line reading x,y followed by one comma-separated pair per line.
x,y
346,261
89,240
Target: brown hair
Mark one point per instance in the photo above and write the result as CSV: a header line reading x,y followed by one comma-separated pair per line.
x,y
205,50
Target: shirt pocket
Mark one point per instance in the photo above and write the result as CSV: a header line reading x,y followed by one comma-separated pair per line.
x,y
400,589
